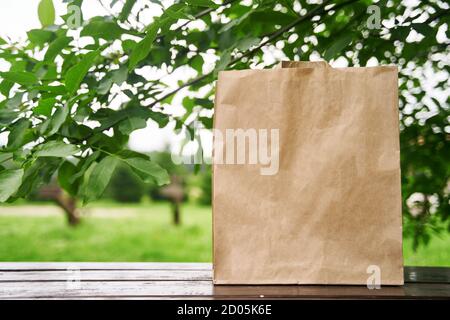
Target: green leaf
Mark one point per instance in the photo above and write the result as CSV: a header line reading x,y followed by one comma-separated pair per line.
x,y
108,117
17,134
84,165
105,85
58,119
39,173
126,10
40,37
225,59
142,49
188,104
45,107
126,153
128,45
72,130
173,13
15,101
247,43
46,12
424,28
76,74
400,33
130,124
56,47
108,30
148,171
22,78
99,178
117,76
10,181
235,22
202,3
5,87
207,122
83,191
56,149
120,75
5,156
197,63
7,116
65,173
56,90
338,46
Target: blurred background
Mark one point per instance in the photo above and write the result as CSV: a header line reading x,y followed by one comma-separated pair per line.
x,y
132,222
142,222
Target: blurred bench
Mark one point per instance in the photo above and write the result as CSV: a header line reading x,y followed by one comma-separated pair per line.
x,y
187,280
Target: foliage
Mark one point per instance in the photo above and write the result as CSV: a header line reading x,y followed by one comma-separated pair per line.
x,y
69,100
180,171
125,186
200,186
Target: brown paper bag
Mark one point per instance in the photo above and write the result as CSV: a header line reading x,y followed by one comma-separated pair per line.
x,y
329,210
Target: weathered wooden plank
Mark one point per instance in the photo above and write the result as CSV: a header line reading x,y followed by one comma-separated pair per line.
x,y
412,274
205,289
427,290
107,275
132,298
187,280
427,274
18,266
105,289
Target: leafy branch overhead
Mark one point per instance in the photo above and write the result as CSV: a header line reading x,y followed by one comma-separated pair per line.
x,y
77,88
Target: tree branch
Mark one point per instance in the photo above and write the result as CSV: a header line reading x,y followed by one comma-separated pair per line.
x,y
437,15
199,15
318,10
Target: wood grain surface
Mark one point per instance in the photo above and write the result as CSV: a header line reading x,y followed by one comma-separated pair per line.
x,y
188,280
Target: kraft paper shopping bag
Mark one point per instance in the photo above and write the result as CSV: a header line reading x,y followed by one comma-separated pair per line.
x,y
306,176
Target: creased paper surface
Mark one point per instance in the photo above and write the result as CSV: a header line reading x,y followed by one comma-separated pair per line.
x,y
334,207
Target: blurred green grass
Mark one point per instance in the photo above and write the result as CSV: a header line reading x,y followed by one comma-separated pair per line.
x,y
111,232
437,253
136,233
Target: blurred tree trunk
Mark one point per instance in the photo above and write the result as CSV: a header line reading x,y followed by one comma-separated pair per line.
x,y
174,192
176,213
68,204
64,201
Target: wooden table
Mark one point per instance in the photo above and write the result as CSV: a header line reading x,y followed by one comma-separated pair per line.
x,y
187,281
